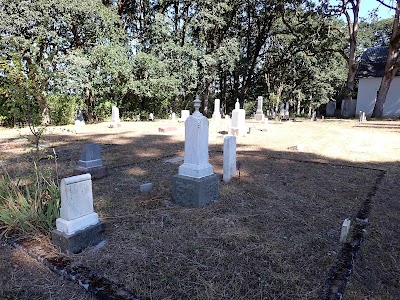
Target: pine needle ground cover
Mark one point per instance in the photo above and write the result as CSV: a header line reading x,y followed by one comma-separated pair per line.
x,y
273,234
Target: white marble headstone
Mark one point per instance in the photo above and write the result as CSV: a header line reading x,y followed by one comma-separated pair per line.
x,y
196,146
216,114
115,115
76,211
238,122
184,115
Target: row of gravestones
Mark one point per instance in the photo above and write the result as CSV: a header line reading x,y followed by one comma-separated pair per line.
x,y
195,185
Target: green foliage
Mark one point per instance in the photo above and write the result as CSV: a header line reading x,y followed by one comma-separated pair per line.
x,y
103,110
62,108
28,209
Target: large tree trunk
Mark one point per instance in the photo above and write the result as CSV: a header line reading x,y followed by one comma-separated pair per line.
x,y
206,96
381,95
391,67
352,26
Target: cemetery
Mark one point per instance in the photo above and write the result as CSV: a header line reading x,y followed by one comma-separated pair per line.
x,y
301,197
199,150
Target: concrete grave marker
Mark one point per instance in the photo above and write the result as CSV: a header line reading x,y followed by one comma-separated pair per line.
x,y
90,162
196,184
151,117
78,226
229,157
345,231
173,116
259,116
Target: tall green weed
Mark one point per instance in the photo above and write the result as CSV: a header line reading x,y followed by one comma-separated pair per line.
x,y
28,209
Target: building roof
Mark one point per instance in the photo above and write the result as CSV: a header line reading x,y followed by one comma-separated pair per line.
x,y
373,63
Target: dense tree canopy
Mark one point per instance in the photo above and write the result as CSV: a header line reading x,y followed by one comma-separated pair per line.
x,y
154,56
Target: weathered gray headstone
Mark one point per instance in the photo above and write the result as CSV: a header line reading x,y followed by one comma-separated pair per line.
x,y
196,184
229,157
330,109
90,162
78,226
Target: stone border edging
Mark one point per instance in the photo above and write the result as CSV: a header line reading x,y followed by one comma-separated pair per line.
x,y
100,287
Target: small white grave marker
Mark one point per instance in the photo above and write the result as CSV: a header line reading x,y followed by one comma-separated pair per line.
x,y
229,157
345,231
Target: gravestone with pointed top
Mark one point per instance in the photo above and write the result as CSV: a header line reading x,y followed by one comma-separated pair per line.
x,y
217,110
90,162
78,226
196,184
259,116
238,125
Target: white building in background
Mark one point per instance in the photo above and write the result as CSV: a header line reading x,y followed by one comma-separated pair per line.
x,y
370,73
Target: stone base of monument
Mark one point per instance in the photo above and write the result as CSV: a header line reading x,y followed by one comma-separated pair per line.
x,y
76,242
195,192
95,172
259,117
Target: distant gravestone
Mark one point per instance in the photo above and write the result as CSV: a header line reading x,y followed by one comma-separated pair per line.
x,y
151,117
314,116
78,226
282,110
229,157
184,115
173,116
216,114
238,125
287,109
79,122
90,162
330,109
196,184
259,116
115,120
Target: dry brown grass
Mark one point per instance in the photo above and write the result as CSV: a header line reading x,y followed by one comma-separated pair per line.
x,y
274,232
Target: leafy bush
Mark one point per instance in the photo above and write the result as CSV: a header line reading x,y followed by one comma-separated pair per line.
x,y
62,108
28,209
